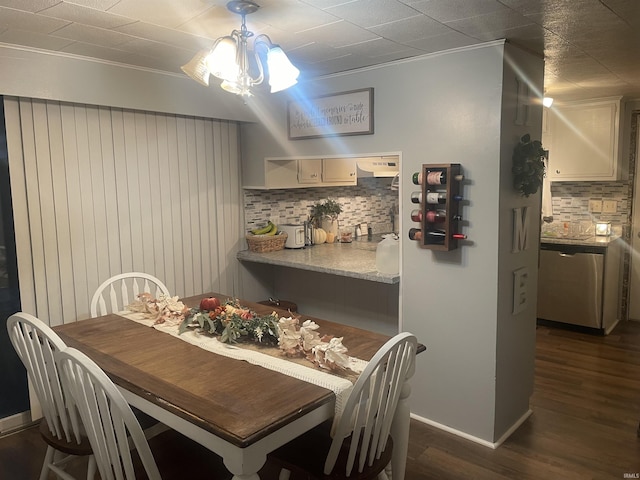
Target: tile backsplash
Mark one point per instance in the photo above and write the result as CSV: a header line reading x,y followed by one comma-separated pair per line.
x,y
570,202
371,201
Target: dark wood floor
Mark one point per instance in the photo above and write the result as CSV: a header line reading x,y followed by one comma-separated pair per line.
x,y
586,409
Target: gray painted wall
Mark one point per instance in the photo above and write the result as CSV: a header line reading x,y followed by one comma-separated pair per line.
x,y
515,346
50,76
476,376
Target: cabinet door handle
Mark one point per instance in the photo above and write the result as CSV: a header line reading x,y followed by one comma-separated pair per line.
x,y
563,254
558,172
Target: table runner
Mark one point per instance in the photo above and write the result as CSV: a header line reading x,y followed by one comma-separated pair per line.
x,y
340,386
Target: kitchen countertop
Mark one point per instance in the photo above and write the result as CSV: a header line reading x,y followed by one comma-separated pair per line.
x,y
355,260
580,240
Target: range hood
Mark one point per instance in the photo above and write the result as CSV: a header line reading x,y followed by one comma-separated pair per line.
x,y
382,166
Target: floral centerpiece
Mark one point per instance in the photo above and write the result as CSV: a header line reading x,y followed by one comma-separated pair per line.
x,y
231,322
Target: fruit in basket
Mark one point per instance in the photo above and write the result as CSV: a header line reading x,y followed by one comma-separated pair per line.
x,y
273,231
266,229
209,303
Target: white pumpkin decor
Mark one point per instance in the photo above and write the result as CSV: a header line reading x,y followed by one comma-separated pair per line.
x,y
319,236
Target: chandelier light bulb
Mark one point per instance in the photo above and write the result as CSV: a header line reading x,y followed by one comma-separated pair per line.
x,y
197,69
221,62
547,101
282,73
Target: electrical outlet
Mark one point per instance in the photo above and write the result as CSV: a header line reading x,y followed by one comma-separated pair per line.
x,y
520,289
595,206
609,206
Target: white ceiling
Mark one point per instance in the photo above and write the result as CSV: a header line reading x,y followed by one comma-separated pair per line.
x,y
591,47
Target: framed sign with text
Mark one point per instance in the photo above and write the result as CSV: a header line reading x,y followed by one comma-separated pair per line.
x,y
347,113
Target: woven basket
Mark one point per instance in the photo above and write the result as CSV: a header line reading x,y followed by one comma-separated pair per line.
x,y
266,243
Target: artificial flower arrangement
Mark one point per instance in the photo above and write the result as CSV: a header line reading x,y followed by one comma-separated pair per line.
x,y
326,352
164,309
231,323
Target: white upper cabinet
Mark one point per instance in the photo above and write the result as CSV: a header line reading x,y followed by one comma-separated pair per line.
x,y
582,139
339,170
310,171
291,172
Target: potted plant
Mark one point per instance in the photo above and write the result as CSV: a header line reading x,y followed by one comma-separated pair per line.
x,y
325,215
528,165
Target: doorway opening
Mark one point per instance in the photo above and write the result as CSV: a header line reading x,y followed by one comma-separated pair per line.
x,y
13,377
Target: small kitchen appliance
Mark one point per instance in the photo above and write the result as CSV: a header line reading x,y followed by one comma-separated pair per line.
x,y
295,234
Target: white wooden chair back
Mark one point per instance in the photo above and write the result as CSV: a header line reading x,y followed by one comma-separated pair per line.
x,y
36,344
109,422
370,409
120,290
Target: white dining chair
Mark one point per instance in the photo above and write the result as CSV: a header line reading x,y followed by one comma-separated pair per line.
x,y
361,446
111,426
120,290
36,344
113,295
115,434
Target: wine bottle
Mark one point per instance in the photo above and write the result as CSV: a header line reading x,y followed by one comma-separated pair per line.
x,y
440,197
435,177
416,197
438,236
415,234
433,216
436,216
439,177
434,236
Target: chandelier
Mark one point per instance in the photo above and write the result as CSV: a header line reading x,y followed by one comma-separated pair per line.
x,y
228,59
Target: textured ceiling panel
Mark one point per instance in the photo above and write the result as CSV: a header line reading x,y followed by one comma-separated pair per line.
x,y
451,10
338,34
18,19
369,13
410,29
591,47
168,13
85,15
31,39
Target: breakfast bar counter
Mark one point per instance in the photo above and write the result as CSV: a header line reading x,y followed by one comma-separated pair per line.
x,y
355,260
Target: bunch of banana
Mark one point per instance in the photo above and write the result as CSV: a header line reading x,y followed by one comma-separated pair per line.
x,y
269,229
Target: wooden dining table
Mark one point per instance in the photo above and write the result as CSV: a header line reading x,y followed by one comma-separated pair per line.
x,y
236,409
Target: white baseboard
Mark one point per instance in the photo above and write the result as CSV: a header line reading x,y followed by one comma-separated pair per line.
x,y
14,421
466,436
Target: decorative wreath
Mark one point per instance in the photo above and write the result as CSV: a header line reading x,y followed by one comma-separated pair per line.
x,y
528,165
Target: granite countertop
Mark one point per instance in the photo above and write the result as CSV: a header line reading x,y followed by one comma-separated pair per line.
x,y
355,260
580,240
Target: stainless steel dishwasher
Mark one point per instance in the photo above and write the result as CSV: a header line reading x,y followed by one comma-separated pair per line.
x,y
578,285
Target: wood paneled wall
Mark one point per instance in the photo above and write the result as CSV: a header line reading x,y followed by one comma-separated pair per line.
x,y
99,191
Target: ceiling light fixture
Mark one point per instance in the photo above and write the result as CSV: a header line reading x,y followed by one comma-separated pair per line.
x,y
228,59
